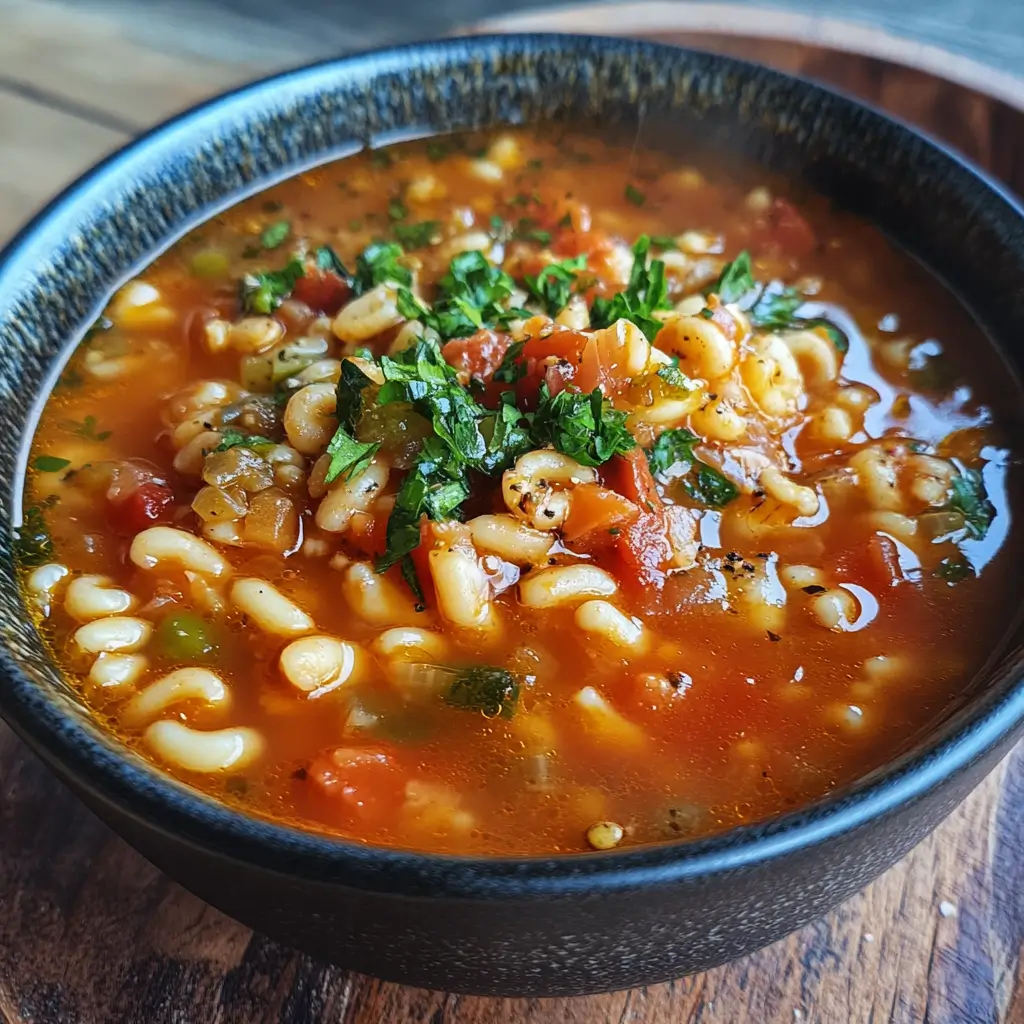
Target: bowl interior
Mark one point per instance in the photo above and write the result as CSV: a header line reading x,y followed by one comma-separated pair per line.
x,y
57,274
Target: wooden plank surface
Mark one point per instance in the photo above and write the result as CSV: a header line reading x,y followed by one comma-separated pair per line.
x,y
90,933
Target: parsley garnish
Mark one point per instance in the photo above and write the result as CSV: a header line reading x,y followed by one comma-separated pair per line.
x,y
470,296
351,385
664,242
584,427
380,158
438,150
528,231
491,691
672,457
32,544
86,429
327,259
263,293
275,234
397,210
954,570
379,263
774,309
349,457
553,286
634,195
236,439
511,370
418,236
736,279
647,292
970,499
50,463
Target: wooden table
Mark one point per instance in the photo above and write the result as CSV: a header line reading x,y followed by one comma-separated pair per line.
x,y
90,932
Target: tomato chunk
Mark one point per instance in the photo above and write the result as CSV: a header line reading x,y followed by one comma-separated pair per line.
x,y
629,475
364,784
784,230
479,356
597,517
147,505
642,553
560,351
322,290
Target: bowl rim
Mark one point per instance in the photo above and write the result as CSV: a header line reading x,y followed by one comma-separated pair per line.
x,y
101,765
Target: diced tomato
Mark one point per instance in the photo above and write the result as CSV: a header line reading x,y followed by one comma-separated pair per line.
x,y
785,231
147,505
642,553
597,517
558,376
875,565
480,356
364,784
322,290
561,348
630,475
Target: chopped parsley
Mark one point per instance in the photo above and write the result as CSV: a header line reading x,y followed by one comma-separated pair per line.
x,y
736,279
970,499
275,234
418,236
511,369
472,295
673,458
954,570
647,292
86,429
349,457
584,427
378,263
49,463
32,545
484,688
236,439
351,385
664,242
437,151
264,292
634,195
397,210
553,286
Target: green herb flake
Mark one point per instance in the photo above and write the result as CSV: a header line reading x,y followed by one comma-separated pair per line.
x,y
646,293
584,427
486,689
418,236
511,369
236,439
735,281
553,286
32,544
971,500
664,242
634,195
349,457
264,292
397,210
380,158
437,151
275,234
49,463
954,570
378,263
86,429
673,458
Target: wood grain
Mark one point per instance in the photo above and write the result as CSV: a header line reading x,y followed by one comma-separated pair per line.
x,y
90,933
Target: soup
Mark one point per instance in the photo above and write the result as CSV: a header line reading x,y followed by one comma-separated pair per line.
x,y
522,495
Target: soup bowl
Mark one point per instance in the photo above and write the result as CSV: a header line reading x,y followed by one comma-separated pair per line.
x,y
544,925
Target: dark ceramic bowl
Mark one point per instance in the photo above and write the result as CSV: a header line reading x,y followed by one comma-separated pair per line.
x,y
530,926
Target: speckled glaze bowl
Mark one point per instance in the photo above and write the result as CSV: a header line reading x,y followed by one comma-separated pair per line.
x,y
538,926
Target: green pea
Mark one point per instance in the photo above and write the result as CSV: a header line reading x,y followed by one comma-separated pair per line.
x,y
210,263
187,637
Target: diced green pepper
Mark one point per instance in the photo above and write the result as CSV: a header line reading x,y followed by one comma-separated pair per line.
x,y
187,637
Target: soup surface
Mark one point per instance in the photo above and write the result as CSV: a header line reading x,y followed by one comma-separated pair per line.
x,y
521,495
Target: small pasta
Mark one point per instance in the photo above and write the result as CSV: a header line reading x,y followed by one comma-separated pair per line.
x,y
177,687
122,633
203,752
376,599
94,597
160,545
317,665
602,619
371,314
561,585
269,609
511,539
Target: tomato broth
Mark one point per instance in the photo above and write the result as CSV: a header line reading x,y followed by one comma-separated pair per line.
x,y
523,494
